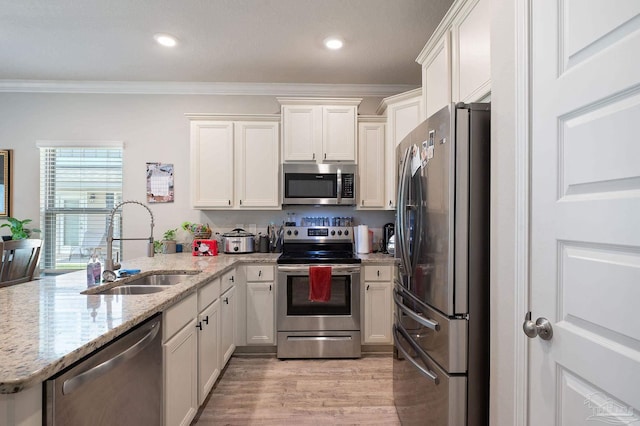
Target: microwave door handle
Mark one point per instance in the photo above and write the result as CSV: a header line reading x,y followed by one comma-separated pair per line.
x,y
339,189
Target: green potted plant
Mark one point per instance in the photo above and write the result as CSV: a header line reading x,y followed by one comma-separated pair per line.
x,y
169,241
198,230
18,229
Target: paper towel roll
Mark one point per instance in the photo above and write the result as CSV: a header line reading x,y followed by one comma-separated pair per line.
x,y
362,239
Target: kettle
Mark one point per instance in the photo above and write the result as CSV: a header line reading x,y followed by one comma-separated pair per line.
x,y
387,231
263,244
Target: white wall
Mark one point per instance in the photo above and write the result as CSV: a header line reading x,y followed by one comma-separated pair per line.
x,y
153,129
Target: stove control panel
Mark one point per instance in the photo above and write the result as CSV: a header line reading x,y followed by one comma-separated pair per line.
x,y
318,233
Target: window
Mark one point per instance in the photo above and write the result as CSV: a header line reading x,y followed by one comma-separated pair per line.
x,y
79,186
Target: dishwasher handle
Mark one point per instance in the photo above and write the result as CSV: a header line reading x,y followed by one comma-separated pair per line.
x,y
75,382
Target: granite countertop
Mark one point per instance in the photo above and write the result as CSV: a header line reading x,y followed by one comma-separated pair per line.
x,y
47,324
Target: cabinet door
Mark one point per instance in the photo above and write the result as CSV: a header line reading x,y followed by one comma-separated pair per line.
x,y
371,165
471,65
211,164
180,355
339,133
436,77
378,318
227,325
260,313
208,350
301,132
257,165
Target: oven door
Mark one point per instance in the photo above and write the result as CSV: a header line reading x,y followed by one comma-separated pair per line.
x,y
297,313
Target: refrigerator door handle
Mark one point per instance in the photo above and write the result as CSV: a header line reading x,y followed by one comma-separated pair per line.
x,y
427,373
413,314
401,213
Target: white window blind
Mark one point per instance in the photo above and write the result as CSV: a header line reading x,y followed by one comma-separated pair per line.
x,y
79,186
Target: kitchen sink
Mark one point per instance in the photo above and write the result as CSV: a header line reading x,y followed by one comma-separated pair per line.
x,y
144,284
133,289
159,279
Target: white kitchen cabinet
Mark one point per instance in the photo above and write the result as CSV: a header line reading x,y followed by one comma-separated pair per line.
x,y
258,164
319,129
235,161
212,167
378,305
227,325
180,358
455,61
208,325
371,162
403,113
436,75
470,40
260,305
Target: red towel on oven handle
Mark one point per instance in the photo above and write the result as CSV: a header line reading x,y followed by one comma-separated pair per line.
x,y
319,283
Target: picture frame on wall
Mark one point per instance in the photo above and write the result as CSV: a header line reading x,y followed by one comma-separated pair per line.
x,y
5,183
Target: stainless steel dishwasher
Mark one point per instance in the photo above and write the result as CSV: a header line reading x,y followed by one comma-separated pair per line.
x,y
119,384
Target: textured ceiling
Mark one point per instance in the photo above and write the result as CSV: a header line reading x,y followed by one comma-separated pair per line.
x,y
237,41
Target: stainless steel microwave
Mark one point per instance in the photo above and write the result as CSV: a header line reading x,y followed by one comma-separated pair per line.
x,y
319,184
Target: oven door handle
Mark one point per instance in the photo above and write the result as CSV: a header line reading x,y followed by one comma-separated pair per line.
x,y
305,269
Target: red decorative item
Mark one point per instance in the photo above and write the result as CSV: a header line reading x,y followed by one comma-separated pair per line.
x,y
204,248
319,283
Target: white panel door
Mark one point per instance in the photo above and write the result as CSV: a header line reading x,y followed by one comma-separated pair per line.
x,y
261,313
228,309
436,78
301,132
211,164
585,210
208,350
257,165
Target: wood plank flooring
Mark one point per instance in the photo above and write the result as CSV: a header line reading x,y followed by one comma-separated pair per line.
x,y
268,391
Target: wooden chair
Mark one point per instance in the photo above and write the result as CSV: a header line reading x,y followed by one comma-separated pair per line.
x,y
19,260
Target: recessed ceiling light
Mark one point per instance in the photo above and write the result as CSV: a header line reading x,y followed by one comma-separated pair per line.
x,y
166,40
333,43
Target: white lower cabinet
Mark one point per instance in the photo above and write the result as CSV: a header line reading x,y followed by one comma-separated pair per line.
x,y
227,324
209,365
378,304
261,305
180,356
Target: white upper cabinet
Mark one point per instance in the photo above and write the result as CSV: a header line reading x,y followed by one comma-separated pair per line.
x,y
403,113
456,59
212,162
235,161
257,147
371,162
470,34
319,129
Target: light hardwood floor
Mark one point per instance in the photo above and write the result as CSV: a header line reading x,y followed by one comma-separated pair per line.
x,y
268,391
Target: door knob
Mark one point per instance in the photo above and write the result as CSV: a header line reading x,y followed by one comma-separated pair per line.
x,y
542,327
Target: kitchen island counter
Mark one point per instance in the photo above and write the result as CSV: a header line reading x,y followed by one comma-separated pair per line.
x,y
47,324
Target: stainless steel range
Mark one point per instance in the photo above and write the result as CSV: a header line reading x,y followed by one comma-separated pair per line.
x,y
311,328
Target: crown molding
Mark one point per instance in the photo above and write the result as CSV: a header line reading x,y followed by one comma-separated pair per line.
x,y
201,88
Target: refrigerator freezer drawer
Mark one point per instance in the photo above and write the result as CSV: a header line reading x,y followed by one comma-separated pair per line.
x,y
442,338
423,393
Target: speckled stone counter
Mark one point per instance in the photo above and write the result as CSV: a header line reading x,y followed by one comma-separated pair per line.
x,y
377,258
48,324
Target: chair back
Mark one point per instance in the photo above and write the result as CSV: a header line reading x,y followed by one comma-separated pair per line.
x,y
19,260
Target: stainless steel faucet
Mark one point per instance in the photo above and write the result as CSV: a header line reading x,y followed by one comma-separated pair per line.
x,y
109,265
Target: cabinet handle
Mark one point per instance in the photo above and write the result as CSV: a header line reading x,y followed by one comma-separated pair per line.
x,y
390,203
269,287
378,272
367,287
226,300
206,319
199,325
240,202
231,279
362,203
325,155
229,202
314,156
260,273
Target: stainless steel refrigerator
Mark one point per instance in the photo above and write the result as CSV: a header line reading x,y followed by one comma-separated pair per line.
x,y
441,292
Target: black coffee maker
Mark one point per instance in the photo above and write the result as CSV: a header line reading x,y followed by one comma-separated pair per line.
x,y
387,231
